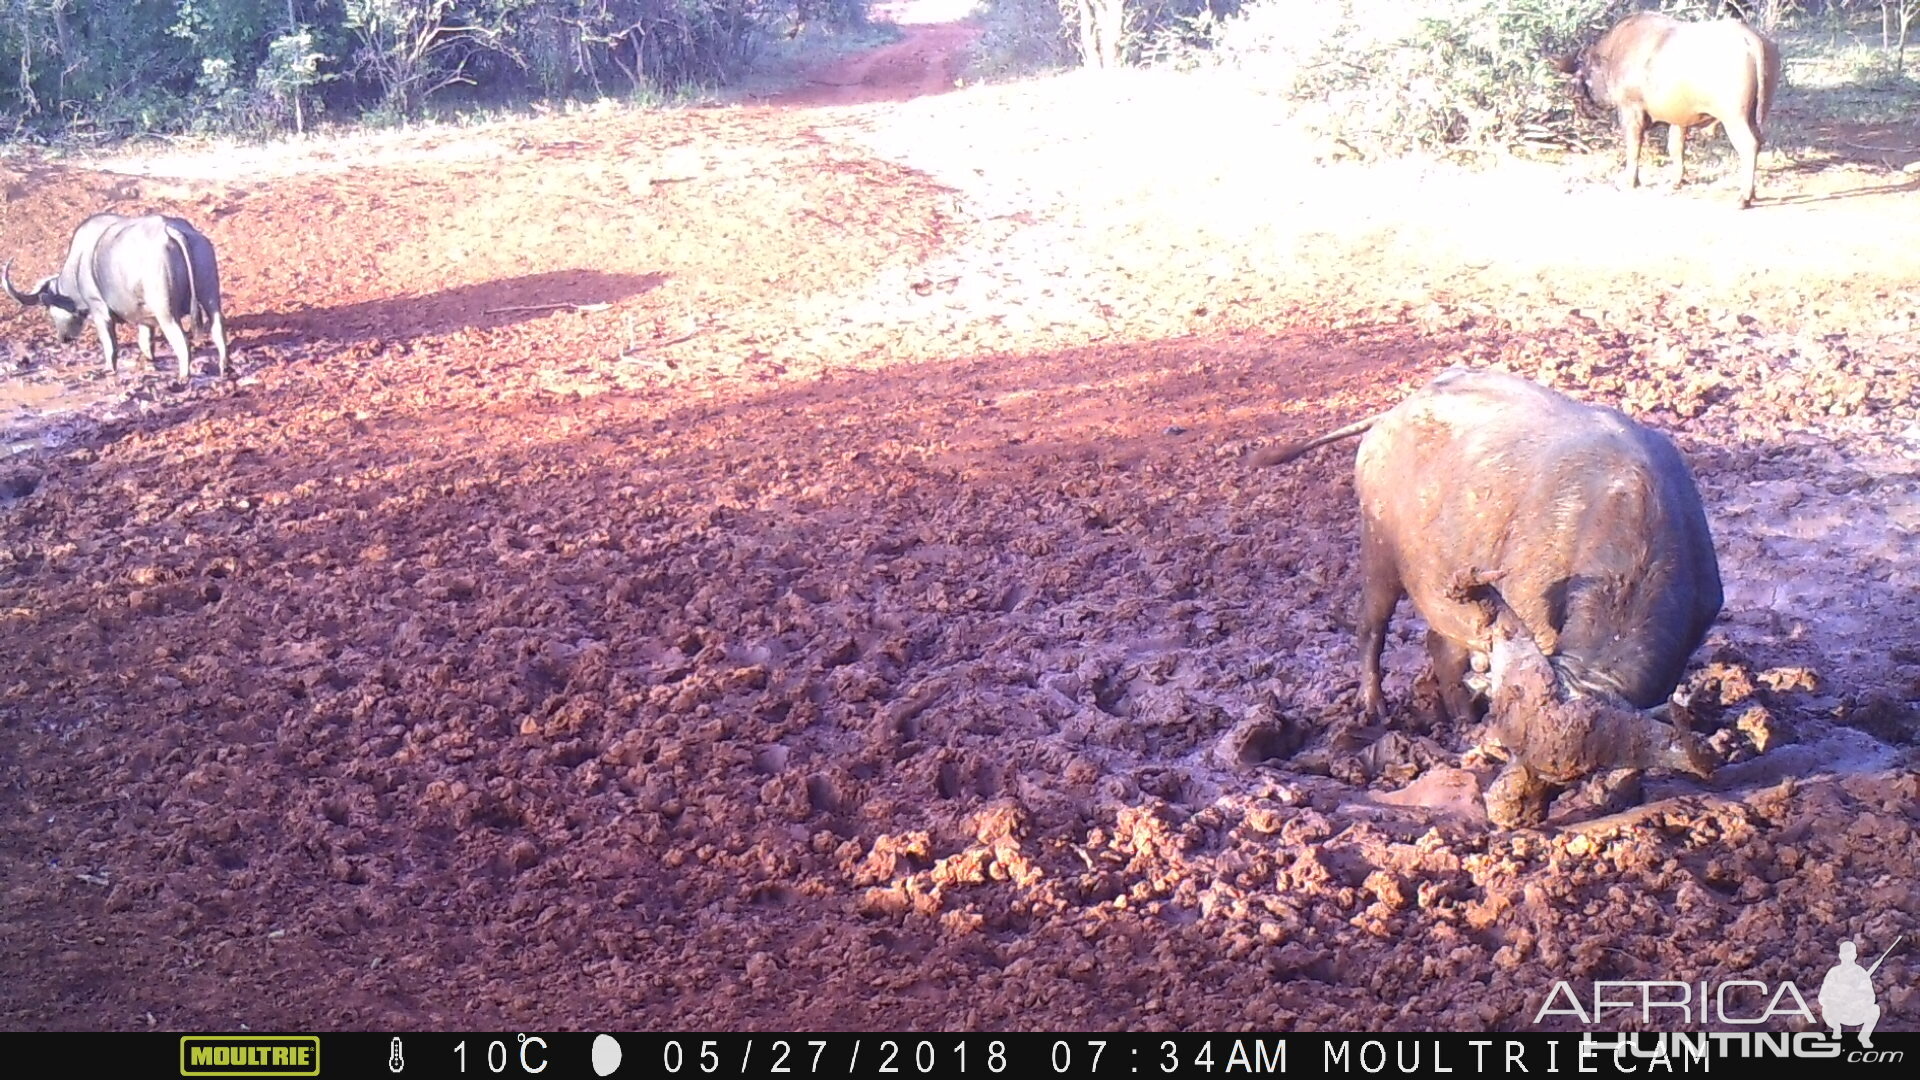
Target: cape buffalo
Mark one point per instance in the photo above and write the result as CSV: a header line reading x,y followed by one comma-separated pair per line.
x,y
147,271
1653,68
1531,528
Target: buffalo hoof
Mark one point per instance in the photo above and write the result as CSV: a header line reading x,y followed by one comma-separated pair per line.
x,y
1517,798
1373,706
1620,790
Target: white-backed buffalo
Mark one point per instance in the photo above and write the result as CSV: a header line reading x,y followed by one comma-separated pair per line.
x,y
1653,68
1564,543
149,271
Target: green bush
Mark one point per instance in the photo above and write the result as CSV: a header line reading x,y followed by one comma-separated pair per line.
x,y
1020,37
73,67
1379,77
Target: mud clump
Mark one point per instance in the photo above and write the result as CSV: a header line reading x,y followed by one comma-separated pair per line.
x,y
1262,736
1896,723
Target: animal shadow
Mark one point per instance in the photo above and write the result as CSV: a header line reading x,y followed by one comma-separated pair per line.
x,y
484,306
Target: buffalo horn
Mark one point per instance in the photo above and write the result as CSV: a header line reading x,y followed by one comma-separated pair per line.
x,y
6,279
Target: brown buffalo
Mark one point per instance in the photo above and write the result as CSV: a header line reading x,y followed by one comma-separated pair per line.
x,y
1652,68
1563,542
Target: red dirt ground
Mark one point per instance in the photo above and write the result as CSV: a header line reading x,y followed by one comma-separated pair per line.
x,y
791,568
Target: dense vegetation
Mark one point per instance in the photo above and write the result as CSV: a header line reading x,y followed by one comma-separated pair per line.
x,y
1384,77
118,66
1474,75
1376,77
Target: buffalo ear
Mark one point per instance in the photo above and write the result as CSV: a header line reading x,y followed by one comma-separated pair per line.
x,y
1566,65
53,299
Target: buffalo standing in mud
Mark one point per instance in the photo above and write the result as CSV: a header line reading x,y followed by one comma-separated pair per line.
x,y
1563,542
149,271
1653,68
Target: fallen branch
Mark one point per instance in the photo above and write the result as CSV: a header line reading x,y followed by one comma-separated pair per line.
x,y
1881,149
548,307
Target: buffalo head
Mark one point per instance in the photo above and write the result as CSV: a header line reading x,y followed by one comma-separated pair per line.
x,y
67,318
1588,79
1558,732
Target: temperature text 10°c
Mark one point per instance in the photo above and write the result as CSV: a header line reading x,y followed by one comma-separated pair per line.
x,y
532,1055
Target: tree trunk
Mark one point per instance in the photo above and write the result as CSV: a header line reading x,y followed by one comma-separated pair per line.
x,y
63,37
1113,21
299,110
1088,31
29,104
1908,10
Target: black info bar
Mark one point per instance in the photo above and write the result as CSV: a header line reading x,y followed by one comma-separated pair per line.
x,y
695,1055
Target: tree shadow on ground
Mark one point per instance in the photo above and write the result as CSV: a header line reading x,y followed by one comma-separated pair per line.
x,y
1892,187
1860,125
487,305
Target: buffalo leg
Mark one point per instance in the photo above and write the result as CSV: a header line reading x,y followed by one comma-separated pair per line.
x,y
108,346
1450,675
1633,129
1379,594
1746,142
146,342
1677,150
177,340
219,332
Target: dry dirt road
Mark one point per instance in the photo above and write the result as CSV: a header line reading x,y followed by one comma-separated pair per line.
x,y
789,567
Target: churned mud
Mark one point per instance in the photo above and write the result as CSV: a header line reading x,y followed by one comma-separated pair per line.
x,y
793,567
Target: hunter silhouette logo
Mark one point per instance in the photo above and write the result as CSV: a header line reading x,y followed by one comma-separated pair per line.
x,y
1846,999
1846,994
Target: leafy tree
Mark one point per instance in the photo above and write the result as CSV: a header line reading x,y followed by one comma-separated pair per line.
x,y
112,66
414,48
291,71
